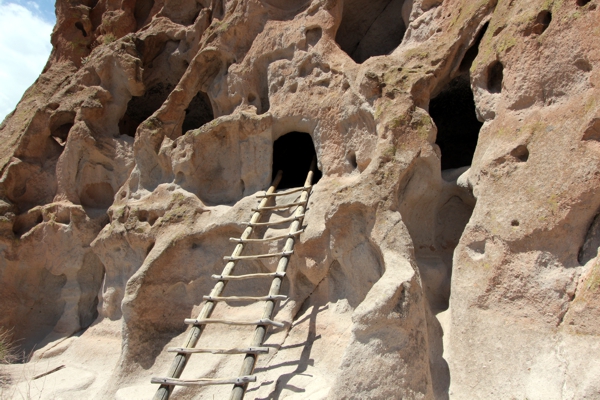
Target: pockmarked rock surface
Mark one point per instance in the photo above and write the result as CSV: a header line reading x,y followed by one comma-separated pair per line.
x,y
450,247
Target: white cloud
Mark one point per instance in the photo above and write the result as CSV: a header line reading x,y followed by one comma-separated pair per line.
x,y
24,50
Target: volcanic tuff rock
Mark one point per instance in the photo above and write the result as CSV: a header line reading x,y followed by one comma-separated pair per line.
x,y
450,248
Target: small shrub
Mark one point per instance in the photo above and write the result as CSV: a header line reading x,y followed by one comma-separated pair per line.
x,y
8,351
8,354
108,38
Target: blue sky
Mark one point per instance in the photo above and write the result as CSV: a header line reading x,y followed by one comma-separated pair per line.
x,y
25,27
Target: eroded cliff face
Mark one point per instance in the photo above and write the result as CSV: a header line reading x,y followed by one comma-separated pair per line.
x,y
450,247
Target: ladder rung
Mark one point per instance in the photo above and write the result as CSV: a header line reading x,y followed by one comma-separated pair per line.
x,y
264,321
204,382
245,298
282,254
281,221
280,207
248,276
300,189
289,235
249,350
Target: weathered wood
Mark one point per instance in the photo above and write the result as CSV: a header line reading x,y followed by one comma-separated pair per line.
x,y
281,221
204,321
204,382
248,350
238,240
180,360
247,276
300,189
257,256
245,298
260,332
280,207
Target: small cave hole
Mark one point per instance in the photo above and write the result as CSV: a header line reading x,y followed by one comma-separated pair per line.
x,y
541,22
372,28
264,100
495,75
313,36
544,18
251,98
582,3
79,26
61,133
152,218
147,216
61,123
293,153
453,112
477,247
514,222
143,216
521,153
472,52
62,216
26,222
140,108
198,113
351,157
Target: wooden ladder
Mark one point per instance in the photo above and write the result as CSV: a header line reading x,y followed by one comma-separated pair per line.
x,y
255,348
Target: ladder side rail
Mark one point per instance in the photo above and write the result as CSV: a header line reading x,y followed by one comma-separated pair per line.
x,y
260,332
180,361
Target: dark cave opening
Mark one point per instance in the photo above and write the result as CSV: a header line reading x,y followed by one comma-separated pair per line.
x,y
372,28
140,108
60,126
539,24
495,76
293,154
61,133
142,12
79,26
453,112
198,113
543,21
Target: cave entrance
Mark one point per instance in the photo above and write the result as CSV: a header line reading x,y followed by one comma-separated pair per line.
x,y
453,112
198,113
140,108
372,28
293,154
